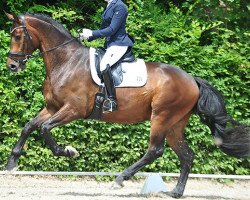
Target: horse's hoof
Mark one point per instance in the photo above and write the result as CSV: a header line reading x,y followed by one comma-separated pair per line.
x,y
11,170
116,186
175,194
11,166
72,151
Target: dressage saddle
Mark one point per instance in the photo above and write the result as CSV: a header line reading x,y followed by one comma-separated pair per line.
x,y
116,69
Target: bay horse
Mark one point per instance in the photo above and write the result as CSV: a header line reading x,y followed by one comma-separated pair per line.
x,y
168,99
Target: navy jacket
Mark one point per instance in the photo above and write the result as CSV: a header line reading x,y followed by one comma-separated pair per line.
x,y
113,25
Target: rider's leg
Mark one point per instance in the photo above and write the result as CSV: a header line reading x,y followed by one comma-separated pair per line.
x,y
112,55
110,104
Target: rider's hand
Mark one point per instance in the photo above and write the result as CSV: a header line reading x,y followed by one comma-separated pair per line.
x,y
86,33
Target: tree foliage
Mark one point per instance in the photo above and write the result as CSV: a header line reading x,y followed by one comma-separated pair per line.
x,y
214,46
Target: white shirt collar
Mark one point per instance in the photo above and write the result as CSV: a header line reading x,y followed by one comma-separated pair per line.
x,y
109,2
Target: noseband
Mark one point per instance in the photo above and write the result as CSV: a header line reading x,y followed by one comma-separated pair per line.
x,y
24,57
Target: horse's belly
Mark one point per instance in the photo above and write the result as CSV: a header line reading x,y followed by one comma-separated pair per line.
x,y
130,112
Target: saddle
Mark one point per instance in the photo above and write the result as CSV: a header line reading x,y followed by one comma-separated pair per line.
x,y
127,72
116,69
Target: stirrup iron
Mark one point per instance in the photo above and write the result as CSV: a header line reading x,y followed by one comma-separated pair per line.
x,y
109,105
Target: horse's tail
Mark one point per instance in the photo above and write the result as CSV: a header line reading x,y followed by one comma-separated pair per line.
x,y
232,137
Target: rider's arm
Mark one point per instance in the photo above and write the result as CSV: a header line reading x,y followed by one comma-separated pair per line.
x,y
119,16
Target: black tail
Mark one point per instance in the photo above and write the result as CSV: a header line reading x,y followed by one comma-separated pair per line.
x,y
232,137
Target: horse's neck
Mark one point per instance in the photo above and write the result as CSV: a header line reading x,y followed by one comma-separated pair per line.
x,y
49,38
64,59
57,55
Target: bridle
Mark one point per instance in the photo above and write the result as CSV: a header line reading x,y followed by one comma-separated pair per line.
x,y
21,57
24,57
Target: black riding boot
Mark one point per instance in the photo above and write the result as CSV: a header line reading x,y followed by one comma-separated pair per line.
x,y
110,104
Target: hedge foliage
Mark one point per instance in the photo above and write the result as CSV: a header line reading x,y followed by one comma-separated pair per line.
x,y
210,46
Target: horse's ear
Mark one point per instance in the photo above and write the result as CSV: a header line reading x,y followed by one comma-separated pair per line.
x,y
12,17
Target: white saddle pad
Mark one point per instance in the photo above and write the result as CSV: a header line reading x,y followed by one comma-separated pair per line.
x,y
134,73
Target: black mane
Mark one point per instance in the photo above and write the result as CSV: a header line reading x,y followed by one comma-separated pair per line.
x,y
51,21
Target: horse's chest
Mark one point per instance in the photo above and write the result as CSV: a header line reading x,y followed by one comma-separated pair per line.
x,y
53,92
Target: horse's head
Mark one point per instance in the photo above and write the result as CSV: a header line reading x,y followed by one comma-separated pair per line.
x,y
22,43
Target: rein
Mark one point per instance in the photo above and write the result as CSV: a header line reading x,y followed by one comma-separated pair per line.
x,y
27,57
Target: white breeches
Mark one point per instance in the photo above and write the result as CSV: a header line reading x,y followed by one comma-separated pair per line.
x,y
112,55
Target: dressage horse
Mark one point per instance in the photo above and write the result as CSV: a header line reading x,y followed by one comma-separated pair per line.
x,y
168,99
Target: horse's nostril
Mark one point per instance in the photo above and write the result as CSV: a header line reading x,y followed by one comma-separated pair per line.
x,y
12,67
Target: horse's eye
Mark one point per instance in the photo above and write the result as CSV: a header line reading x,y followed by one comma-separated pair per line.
x,y
17,37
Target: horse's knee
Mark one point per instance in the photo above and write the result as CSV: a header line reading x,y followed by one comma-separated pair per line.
x,y
44,130
159,152
156,152
28,128
16,152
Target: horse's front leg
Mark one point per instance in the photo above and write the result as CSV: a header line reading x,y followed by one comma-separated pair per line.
x,y
65,115
34,124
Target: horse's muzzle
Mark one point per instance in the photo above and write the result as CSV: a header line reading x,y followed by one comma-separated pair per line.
x,y
16,66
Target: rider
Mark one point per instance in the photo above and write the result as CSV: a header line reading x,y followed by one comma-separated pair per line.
x,y
116,44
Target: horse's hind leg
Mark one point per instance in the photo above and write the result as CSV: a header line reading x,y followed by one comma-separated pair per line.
x,y
155,150
176,140
27,130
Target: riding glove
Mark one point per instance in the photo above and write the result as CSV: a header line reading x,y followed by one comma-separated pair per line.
x,y
86,33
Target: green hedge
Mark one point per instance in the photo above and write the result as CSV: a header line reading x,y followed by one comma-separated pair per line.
x,y
165,33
